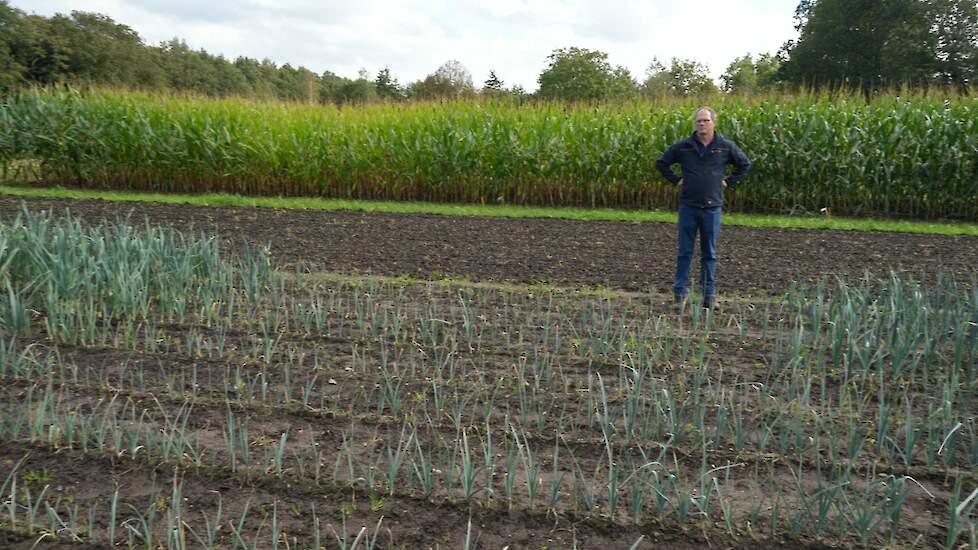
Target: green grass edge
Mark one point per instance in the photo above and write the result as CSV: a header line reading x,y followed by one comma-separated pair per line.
x,y
508,211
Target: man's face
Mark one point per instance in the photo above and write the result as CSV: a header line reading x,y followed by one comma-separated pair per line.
x,y
704,123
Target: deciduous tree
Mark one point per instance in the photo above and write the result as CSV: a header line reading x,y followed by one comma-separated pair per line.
x,y
746,76
870,44
684,77
579,74
450,81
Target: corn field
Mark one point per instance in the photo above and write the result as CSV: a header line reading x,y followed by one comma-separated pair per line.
x,y
896,156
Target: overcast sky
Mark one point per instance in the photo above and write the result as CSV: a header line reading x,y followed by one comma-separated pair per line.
x,y
413,38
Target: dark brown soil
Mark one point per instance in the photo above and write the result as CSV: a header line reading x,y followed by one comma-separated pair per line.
x,y
416,522
629,256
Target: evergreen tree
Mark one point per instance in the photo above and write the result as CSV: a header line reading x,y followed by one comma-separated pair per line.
x,y
387,87
493,82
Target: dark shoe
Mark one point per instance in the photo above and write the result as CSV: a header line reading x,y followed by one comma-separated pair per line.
x,y
709,302
679,303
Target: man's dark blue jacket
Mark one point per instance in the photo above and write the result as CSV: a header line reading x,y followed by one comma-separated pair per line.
x,y
704,169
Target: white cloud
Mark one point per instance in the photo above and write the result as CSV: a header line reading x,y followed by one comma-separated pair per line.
x,y
513,37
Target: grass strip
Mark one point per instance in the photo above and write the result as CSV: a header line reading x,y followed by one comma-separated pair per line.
x,y
503,211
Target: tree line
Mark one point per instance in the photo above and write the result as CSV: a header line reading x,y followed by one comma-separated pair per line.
x,y
843,44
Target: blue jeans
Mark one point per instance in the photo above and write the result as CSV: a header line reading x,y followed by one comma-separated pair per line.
x,y
707,222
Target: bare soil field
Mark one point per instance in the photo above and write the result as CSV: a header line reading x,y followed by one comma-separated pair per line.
x,y
636,257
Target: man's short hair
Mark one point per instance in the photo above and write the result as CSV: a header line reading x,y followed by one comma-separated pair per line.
x,y
713,114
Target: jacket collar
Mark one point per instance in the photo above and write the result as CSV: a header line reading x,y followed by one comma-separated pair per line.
x,y
716,139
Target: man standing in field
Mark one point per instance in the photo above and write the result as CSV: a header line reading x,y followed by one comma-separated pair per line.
x,y
703,158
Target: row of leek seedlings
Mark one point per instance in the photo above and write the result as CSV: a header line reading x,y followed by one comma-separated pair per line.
x,y
544,363
269,454
879,383
902,430
457,469
19,512
899,326
15,317
33,362
844,502
163,522
550,322
645,408
267,354
942,438
47,417
645,484
124,432
789,400
451,466
435,341
117,264
37,361
237,383
963,519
